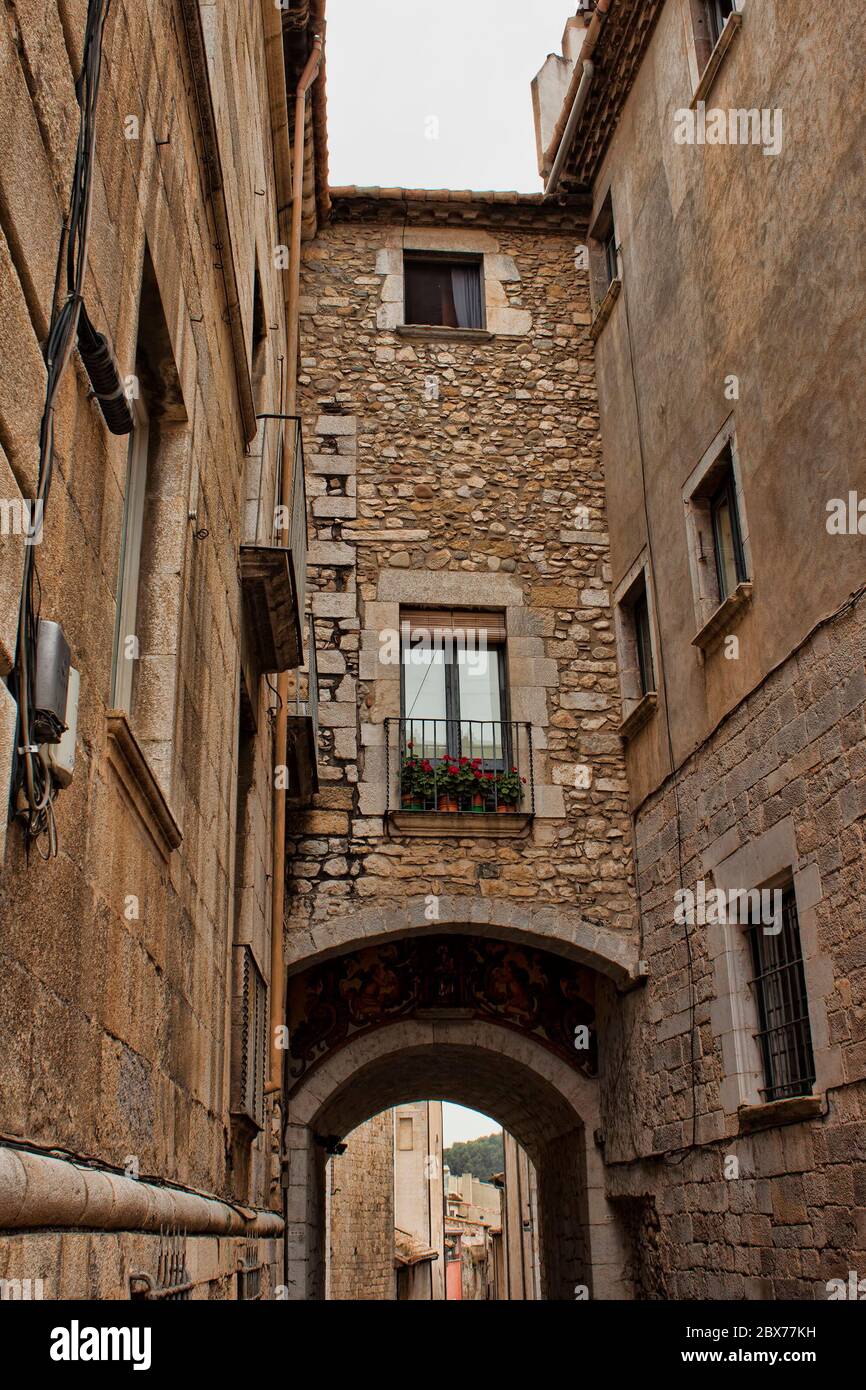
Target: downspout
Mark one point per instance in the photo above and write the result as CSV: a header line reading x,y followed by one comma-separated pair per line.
x,y
278,897
575,101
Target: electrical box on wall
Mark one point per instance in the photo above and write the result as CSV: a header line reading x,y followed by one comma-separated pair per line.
x,y
50,685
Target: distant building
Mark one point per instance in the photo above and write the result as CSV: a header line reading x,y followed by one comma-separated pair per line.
x,y
418,1200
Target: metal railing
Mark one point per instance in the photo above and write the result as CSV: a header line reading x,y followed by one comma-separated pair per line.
x,y
449,765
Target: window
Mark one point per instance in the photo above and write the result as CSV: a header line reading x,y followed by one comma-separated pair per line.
x,y
718,12
779,984
709,22
727,540
249,1039
259,353
405,1138
643,642
635,647
453,685
444,292
153,537
604,257
718,540
126,643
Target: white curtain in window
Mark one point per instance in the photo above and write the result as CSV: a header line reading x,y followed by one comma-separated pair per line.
x,y
466,288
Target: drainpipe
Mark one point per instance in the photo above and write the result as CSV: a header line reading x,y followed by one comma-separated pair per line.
x,y
278,896
575,100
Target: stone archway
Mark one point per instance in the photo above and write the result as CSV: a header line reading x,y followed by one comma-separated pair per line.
x,y
612,953
482,1021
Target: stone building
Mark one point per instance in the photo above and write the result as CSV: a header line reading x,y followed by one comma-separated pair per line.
x,y
517,1261
584,479
457,490
728,347
137,961
361,1212
419,1197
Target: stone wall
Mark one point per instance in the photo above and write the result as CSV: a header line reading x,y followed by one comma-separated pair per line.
x,y
459,474
360,1197
781,784
115,960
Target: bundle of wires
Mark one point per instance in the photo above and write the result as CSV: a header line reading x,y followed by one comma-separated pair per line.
x,y
34,787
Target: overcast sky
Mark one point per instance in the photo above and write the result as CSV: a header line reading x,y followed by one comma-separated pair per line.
x,y
436,93
460,1124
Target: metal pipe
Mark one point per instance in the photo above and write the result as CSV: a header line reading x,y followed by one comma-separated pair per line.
x,y
587,73
575,100
39,1191
278,896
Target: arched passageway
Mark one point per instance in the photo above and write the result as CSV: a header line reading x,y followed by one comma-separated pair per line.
x,y
497,1039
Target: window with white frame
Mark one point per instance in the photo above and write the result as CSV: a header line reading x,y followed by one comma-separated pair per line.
x,y
709,20
717,534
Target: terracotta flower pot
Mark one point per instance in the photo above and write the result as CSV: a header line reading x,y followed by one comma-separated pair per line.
x,y
447,802
477,801
505,808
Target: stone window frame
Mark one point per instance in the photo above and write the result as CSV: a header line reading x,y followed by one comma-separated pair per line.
x,y
769,861
474,260
529,672
144,731
504,316
705,57
714,617
638,705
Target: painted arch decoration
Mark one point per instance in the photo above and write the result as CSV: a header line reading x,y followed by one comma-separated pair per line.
x,y
520,987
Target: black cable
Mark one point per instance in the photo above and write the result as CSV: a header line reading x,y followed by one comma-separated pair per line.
x,y
31,774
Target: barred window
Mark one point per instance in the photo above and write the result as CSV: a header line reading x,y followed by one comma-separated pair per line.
x,y
250,1036
779,983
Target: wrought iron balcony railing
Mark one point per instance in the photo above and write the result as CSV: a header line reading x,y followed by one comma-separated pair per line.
x,y
453,766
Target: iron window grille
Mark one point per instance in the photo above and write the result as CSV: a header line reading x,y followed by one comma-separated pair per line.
x,y
249,1285
779,983
251,1038
727,535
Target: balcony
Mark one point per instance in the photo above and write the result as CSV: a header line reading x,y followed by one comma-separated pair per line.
x,y
302,747
459,777
273,574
